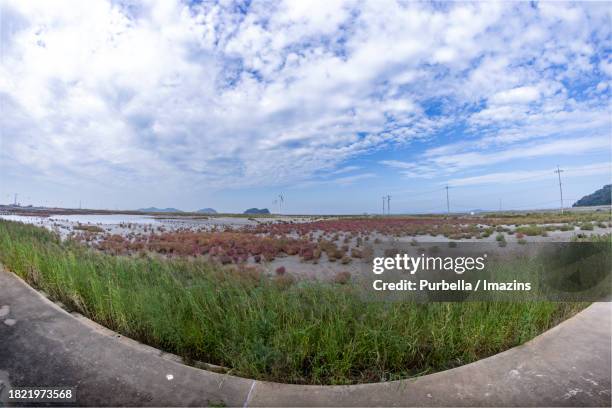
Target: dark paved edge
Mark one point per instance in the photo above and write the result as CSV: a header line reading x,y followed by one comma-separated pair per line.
x,y
45,346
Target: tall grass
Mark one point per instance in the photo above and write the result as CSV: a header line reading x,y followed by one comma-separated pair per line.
x,y
312,333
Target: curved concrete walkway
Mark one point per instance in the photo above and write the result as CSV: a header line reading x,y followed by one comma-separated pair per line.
x,y
43,345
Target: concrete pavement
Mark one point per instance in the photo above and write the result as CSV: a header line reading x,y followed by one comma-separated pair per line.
x,y
43,345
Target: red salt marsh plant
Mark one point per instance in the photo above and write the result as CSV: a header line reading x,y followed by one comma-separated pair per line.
x,y
225,247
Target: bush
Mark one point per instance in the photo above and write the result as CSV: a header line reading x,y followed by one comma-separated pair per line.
x,y
356,253
342,278
531,230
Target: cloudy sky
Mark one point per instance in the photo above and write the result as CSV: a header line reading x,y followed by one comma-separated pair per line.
x,y
226,104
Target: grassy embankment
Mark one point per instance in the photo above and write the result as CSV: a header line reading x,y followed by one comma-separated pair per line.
x,y
268,328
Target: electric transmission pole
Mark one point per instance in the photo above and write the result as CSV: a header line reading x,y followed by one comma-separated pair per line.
x,y
383,198
559,171
447,201
388,205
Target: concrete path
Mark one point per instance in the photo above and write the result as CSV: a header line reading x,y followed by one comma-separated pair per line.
x,y
42,345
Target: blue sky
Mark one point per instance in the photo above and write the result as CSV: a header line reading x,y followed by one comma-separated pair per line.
x,y
332,103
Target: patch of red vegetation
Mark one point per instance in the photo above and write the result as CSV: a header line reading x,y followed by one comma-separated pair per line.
x,y
225,247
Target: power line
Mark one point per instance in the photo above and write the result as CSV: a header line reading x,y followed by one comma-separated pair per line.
x,y
559,171
503,198
447,201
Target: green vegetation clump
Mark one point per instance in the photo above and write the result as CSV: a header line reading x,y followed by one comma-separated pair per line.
x,y
268,328
531,230
587,226
88,228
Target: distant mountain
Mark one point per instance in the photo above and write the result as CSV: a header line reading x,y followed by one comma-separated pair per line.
x,y
207,211
257,211
159,210
600,197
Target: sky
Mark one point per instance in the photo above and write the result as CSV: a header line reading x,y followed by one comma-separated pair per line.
x,y
334,104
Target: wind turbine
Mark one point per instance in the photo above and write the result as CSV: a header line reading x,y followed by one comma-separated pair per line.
x,y
281,200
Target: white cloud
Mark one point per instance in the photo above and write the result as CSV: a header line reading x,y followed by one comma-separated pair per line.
x,y
164,94
522,94
442,161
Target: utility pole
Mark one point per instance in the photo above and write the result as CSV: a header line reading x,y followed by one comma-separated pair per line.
x,y
559,171
383,198
388,204
447,201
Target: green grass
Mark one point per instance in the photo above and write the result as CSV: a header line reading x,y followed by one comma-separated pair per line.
x,y
531,230
266,328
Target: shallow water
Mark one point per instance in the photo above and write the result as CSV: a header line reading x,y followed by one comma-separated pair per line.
x,y
109,219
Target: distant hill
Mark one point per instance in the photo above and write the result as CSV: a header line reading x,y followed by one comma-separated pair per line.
x,y
600,197
155,209
207,211
257,211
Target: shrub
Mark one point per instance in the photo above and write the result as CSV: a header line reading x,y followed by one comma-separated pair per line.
x,y
356,253
342,278
531,230
284,281
280,270
88,228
